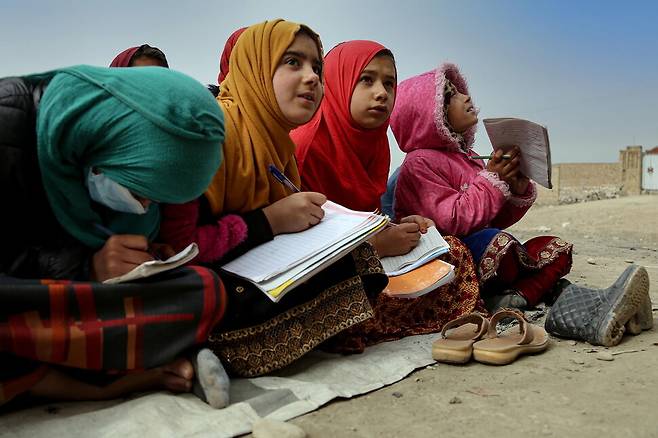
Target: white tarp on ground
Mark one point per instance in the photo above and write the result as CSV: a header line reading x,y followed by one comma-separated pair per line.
x,y
296,390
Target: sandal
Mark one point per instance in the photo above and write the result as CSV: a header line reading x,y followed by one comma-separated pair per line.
x,y
505,348
457,338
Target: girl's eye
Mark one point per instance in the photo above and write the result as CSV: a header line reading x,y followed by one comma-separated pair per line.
x,y
366,79
317,70
292,61
389,84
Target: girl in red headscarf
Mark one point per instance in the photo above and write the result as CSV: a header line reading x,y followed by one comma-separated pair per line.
x,y
140,56
226,54
343,152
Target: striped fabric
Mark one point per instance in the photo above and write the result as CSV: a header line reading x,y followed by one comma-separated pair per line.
x,y
106,328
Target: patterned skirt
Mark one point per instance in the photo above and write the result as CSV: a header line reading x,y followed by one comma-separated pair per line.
x,y
395,318
258,336
106,329
531,268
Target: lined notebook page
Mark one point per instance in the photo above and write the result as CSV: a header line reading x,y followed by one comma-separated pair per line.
x,y
531,138
430,241
287,250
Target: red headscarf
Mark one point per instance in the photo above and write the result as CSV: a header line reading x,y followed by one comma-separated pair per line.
x,y
335,156
226,54
123,58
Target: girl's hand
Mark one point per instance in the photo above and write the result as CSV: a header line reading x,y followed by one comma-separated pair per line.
x,y
161,251
506,169
423,222
397,240
296,212
519,184
121,254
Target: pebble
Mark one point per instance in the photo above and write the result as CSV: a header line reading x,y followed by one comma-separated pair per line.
x,y
565,224
418,379
397,394
604,355
573,343
629,261
265,428
455,401
578,361
591,261
543,229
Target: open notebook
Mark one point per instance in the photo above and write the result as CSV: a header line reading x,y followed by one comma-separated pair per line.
x,y
278,266
153,267
531,138
430,246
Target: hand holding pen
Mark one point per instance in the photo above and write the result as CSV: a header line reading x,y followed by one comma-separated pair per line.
x,y
296,212
122,253
505,168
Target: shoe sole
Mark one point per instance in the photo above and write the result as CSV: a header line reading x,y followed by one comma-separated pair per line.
x,y
645,314
626,305
455,357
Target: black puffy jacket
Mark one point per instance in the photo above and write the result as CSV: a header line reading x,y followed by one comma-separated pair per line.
x,y
32,242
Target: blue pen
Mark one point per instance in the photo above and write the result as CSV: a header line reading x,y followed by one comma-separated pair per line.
x,y
276,173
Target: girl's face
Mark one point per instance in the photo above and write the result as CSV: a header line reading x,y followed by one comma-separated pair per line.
x,y
374,94
461,112
296,81
146,61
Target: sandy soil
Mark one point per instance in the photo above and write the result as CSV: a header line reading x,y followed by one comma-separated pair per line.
x,y
564,392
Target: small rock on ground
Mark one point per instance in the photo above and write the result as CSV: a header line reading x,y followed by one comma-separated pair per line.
x,y
604,355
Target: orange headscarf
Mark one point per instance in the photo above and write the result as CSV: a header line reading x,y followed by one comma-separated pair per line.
x,y
256,129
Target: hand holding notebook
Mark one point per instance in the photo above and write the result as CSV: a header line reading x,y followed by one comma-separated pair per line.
x,y
153,267
531,138
430,246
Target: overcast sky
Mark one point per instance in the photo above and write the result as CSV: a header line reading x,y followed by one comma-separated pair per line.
x,y
588,70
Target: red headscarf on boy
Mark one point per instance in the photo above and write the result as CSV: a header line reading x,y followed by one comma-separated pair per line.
x,y
226,54
123,58
335,156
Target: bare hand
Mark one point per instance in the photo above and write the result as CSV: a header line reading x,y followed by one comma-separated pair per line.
x,y
296,212
161,251
423,222
519,184
506,169
397,240
121,254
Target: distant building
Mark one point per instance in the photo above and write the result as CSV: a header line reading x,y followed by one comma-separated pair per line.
x,y
635,172
650,170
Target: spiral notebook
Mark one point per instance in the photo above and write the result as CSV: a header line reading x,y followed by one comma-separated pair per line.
x,y
278,266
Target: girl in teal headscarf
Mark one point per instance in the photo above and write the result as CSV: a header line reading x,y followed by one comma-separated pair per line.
x,y
87,153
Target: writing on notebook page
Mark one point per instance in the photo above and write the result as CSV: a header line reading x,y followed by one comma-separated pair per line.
x,y
531,138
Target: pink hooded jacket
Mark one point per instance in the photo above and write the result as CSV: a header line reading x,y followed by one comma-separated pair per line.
x,y
438,178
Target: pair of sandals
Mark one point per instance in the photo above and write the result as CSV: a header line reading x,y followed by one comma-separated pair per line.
x,y
475,336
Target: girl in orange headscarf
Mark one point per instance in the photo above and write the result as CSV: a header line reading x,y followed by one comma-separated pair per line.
x,y
274,84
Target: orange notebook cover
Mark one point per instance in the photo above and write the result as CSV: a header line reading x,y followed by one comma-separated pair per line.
x,y
421,280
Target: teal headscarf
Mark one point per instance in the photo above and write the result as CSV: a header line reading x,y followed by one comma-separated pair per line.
x,y
157,132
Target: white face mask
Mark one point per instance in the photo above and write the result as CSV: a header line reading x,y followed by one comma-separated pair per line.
x,y
113,195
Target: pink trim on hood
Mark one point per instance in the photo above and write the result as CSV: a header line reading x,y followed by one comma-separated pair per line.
x,y
418,117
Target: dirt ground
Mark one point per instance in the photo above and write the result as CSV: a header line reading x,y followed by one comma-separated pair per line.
x,y
564,392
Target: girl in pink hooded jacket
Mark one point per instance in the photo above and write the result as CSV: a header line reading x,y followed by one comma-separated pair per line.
x,y
434,121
